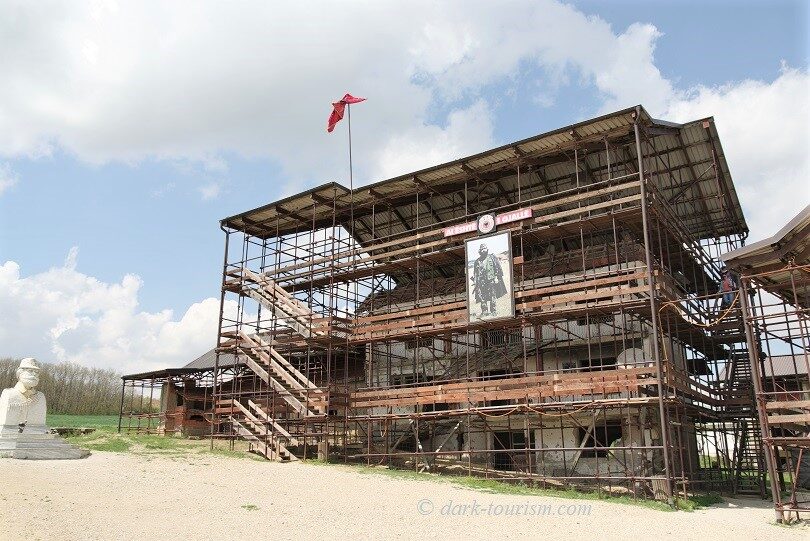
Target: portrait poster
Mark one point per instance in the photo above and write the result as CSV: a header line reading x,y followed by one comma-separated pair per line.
x,y
489,277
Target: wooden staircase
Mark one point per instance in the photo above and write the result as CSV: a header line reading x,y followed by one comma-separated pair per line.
x,y
749,460
265,435
274,370
287,400
288,310
741,411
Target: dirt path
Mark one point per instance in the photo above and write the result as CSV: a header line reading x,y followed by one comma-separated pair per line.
x,y
125,496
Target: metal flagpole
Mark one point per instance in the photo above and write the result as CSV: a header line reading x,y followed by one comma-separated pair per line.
x,y
349,113
351,173
351,192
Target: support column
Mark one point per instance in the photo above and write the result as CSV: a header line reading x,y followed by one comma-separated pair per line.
x,y
121,408
759,405
654,308
215,394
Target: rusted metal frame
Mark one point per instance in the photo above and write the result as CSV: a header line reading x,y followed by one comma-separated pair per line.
x,y
121,407
400,218
392,204
780,252
804,322
436,232
673,224
432,212
544,182
756,378
292,214
436,217
216,392
721,177
654,309
429,189
661,201
581,163
628,159
307,370
538,201
476,175
690,166
686,186
528,159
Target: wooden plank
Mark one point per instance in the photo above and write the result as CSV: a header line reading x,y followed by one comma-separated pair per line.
x,y
279,388
572,283
554,202
463,324
275,359
787,404
578,454
372,268
796,418
523,394
410,322
523,389
523,381
408,263
280,429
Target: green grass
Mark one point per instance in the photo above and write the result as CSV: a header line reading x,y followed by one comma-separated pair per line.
x,y
99,422
494,486
115,445
107,438
699,501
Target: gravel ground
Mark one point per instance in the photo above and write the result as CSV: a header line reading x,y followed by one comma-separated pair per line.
x,y
125,496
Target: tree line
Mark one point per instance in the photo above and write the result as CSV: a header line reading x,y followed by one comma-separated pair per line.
x,y
70,388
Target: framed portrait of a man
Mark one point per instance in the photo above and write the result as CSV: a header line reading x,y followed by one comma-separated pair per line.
x,y
489,277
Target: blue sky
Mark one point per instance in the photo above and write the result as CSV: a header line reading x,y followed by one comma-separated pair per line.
x,y
130,142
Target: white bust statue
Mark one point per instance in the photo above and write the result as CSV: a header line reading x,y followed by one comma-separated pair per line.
x,y
22,407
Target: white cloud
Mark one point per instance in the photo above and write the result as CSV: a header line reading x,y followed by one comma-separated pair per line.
x,y
195,81
63,314
765,131
210,191
163,190
468,131
191,83
8,178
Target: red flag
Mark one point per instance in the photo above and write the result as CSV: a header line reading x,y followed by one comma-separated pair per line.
x,y
338,108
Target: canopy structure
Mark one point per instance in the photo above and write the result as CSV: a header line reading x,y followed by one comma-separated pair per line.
x,y
773,261
203,363
688,154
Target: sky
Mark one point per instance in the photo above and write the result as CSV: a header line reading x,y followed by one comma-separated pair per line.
x,y
129,129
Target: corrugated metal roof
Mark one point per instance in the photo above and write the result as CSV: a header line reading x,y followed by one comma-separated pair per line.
x,y
779,366
774,261
785,365
688,149
206,360
203,363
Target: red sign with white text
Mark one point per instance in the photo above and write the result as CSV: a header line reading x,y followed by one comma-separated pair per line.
x,y
504,218
513,216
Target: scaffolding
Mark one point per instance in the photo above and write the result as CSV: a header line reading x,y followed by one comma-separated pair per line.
x,y
175,401
775,294
619,365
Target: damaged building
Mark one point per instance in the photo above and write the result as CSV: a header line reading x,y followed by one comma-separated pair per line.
x,y
549,311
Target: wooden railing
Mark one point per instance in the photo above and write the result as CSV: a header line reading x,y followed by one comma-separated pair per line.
x,y
524,388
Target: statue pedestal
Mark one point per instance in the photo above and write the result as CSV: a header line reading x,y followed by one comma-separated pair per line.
x,y
24,406
36,443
